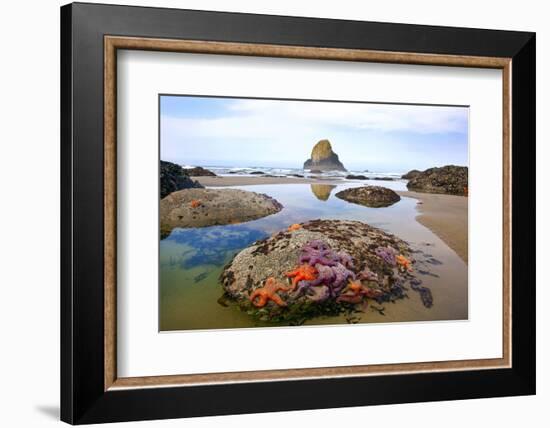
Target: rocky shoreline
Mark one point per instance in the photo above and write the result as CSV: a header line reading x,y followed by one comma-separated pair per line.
x,y
173,178
450,179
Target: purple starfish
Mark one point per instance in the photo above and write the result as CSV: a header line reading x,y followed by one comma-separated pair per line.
x,y
387,254
345,259
317,252
319,294
367,275
341,277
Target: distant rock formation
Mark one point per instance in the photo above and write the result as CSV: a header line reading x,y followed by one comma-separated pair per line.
x,y
173,177
450,179
323,158
356,177
411,174
370,196
199,171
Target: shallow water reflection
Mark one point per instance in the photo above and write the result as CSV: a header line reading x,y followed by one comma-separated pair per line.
x,y
322,191
191,260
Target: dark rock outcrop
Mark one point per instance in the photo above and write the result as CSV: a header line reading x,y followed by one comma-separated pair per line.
x,y
209,207
450,179
323,158
411,174
199,171
173,178
370,196
356,177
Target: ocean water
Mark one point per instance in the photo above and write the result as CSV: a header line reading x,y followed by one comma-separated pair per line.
x,y
191,260
292,172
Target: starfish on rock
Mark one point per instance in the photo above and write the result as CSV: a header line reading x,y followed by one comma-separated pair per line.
x,y
294,227
303,272
403,262
261,296
355,291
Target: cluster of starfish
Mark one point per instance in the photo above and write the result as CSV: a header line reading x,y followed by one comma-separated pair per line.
x,y
317,252
327,270
323,274
195,203
393,258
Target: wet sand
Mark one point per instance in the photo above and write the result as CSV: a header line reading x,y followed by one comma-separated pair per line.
x,y
446,216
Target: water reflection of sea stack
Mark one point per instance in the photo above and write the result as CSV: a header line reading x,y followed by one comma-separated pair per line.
x,y
322,191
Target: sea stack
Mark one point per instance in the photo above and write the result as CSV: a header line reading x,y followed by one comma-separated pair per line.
x,y
323,158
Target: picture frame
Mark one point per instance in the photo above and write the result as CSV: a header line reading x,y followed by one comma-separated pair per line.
x,y
91,35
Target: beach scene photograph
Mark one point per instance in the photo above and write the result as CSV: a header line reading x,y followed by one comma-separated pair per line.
x,y
289,213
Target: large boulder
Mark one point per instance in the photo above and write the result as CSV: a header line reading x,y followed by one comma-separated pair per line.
x,y
209,207
199,171
322,267
173,178
411,174
323,158
450,179
370,196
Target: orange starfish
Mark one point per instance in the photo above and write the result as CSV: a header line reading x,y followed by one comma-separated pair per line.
x,y
302,272
355,286
403,262
195,203
294,227
261,296
355,291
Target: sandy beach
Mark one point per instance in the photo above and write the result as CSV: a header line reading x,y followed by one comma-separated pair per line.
x,y
444,215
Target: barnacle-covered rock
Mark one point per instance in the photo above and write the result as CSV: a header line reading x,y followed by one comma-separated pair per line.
x,y
329,266
210,207
370,196
450,179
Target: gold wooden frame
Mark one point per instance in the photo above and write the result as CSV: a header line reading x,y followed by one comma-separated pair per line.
x,y
113,43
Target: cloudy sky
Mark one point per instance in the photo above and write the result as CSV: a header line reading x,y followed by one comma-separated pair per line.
x,y
278,133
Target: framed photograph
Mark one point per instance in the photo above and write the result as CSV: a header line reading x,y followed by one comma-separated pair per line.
x,y
320,213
